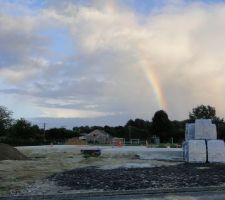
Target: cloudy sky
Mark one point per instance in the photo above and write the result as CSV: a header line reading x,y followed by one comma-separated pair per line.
x,y
77,62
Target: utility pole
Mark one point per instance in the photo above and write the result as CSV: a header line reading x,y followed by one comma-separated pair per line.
x,y
44,132
129,128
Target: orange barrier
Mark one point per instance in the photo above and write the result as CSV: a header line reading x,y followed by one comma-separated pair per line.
x,y
119,142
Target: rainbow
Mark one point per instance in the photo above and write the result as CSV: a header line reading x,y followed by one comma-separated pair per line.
x,y
153,81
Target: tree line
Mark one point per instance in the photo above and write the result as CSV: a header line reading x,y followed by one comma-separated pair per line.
x,y
22,132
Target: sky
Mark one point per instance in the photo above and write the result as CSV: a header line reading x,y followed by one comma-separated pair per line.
x,y
102,62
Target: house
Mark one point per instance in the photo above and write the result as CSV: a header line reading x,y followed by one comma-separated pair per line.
x,y
83,136
98,137
75,141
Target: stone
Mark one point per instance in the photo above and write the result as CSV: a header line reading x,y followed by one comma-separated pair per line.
x,y
216,151
190,131
195,151
204,129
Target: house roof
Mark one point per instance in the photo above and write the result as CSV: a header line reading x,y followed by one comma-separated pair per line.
x,y
98,132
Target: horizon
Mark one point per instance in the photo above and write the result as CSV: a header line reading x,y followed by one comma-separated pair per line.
x,y
104,62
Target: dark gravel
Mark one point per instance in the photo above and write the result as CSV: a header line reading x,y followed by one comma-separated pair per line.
x,y
182,175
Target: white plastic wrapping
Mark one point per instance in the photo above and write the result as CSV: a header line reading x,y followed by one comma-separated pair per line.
x,y
216,151
195,151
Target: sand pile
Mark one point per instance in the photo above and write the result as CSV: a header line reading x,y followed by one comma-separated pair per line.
x,y
8,152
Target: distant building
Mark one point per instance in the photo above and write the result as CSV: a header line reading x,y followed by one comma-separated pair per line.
x,y
75,141
155,139
83,136
98,137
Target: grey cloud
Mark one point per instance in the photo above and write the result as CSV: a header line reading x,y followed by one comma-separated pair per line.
x,y
105,73
72,122
13,91
19,40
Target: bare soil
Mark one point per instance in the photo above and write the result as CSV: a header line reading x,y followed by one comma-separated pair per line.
x,y
28,177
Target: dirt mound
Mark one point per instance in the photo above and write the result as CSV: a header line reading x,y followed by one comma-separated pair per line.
x,y
8,152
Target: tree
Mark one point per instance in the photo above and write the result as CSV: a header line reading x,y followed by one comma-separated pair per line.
x,y
22,132
130,123
140,123
161,125
5,119
59,135
22,128
203,112
178,130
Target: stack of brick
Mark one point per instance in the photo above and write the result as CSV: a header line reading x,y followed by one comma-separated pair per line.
x,y
201,144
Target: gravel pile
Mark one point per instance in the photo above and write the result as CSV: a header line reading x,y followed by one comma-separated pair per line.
x,y
182,175
8,152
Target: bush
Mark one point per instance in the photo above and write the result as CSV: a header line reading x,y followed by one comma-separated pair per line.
x,y
162,146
